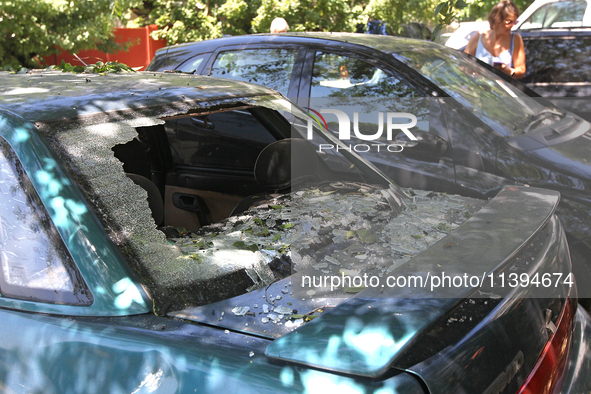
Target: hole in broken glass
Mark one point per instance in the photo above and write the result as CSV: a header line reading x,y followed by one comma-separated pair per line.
x,y
346,226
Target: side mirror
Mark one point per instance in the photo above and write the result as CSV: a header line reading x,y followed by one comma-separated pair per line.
x,y
427,144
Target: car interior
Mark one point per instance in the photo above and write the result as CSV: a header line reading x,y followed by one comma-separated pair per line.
x,y
199,170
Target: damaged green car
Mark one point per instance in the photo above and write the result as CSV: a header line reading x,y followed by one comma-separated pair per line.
x,y
177,234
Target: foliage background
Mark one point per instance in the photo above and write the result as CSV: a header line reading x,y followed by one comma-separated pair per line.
x,y
36,28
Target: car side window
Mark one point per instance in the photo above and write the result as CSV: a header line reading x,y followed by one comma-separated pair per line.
x,y
35,263
336,75
562,14
194,64
270,67
557,59
223,140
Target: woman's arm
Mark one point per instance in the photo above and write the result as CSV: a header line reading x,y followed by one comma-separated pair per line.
x,y
518,70
472,44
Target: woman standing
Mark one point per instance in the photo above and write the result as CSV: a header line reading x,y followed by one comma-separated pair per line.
x,y
499,46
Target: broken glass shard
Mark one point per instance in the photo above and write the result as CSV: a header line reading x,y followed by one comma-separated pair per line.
x,y
241,310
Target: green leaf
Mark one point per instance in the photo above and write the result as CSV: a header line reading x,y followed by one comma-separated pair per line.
x,y
438,8
366,236
275,206
443,227
286,226
276,237
242,245
460,4
418,236
258,221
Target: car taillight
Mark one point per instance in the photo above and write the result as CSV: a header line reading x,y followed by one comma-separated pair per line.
x,y
547,375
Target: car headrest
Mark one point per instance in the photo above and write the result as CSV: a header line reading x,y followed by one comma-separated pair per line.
x,y
285,163
154,197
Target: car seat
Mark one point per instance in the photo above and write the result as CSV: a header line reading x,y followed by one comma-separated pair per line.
x,y
154,197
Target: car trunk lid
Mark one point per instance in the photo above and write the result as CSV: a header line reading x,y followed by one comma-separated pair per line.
x,y
367,333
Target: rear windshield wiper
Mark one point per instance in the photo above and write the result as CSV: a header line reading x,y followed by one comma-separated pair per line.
x,y
178,72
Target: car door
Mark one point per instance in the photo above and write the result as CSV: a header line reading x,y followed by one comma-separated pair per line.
x,y
274,66
475,150
380,95
213,159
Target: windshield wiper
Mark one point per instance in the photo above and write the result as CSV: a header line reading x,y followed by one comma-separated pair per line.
x,y
550,111
544,114
178,72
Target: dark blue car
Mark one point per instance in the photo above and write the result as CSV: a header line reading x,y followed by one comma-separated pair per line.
x,y
477,131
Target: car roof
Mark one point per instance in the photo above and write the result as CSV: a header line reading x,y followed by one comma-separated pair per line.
x,y
46,96
388,44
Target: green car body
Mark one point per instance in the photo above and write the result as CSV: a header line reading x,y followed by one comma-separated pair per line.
x,y
118,335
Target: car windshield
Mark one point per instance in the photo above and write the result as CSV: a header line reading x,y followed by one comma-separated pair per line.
x,y
498,104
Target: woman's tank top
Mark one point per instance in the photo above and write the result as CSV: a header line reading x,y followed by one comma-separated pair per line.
x,y
504,57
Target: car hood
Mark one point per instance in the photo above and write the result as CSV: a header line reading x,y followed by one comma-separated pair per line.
x,y
364,330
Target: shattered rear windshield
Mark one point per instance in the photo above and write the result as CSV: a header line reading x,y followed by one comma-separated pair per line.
x,y
194,246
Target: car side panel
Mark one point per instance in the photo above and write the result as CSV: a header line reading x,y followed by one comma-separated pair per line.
x,y
474,146
154,354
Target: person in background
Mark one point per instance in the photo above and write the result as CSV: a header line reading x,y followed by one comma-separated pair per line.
x,y
499,46
376,26
279,25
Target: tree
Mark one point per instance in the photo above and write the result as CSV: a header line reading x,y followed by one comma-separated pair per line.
x,y
194,20
236,16
478,9
449,10
397,13
446,12
185,20
36,28
309,15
